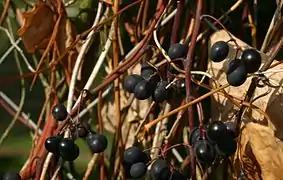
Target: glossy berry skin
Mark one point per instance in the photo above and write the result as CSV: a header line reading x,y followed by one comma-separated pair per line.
x,y
181,85
52,144
96,142
177,51
131,81
147,70
231,129
226,148
160,92
204,152
143,90
251,59
160,170
134,155
219,51
68,150
138,170
59,112
194,136
237,73
216,132
11,176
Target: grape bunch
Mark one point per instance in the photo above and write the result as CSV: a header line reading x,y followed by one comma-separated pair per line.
x,y
66,147
238,69
136,165
217,139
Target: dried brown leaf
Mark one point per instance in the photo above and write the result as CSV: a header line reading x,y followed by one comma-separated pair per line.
x,y
260,153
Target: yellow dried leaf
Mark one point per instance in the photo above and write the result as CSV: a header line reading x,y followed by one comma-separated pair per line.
x,y
260,153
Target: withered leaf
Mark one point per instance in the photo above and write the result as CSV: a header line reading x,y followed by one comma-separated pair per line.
x,y
260,153
37,27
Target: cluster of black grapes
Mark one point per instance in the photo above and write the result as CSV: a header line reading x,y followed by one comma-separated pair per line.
x,y
238,69
150,84
66,147
136,166
216,140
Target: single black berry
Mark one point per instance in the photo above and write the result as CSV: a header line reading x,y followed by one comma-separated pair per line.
x,y
131,81
96,142
52,144
11,176
147,71
143,90
237,73
134,155
181,85
68,150
251,59
59,112
231,129
138,170
216,132
226,148
204,152
160,170
83,129
177,51
219,51
194,136
160,92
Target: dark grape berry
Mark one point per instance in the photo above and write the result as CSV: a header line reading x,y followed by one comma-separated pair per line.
x,y
143,90
127,170
59,112
147,71
216,132
219,51
52,144
226,148
134,155
160,170
138,170
231,129
160,92
181,85
194,136
177,51
11,176
237,73
96,142
251,59
179,64
83,130
204,152
68,150
131,81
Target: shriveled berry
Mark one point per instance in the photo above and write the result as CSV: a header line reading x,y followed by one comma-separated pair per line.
x,y
131,81
68,150
160,170
216,132
219,51
83,130
134,155
138,170
251,59
59,112
160,92
96,142
226,148
237,73
177,51
204,152
143,90
52,144
11,176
